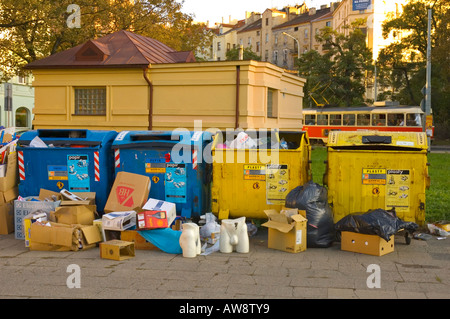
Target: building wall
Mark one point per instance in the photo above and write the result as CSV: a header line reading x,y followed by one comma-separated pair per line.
x,y
182,93
22,104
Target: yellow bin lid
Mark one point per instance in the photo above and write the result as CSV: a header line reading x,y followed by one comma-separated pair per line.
x,y
363,139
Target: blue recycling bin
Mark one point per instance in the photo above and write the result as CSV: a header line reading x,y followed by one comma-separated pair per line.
x,y
174,162
77,160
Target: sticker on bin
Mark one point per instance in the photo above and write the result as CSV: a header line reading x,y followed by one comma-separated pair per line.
x,y
255,172
175,183
78,177
374,176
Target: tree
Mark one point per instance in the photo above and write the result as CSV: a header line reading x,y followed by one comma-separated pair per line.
x,y
342,68
403,63
33,29
233,54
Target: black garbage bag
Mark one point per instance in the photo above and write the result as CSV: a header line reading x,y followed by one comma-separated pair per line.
x,y
383,223
313,198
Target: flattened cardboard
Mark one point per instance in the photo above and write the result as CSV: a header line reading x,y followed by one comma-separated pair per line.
x,y
63,237
286,230
87,198
366,244
140,243
80,214
6,218
129,190
117,249
11,178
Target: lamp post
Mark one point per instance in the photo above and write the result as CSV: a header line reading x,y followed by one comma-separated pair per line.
x,y
298,44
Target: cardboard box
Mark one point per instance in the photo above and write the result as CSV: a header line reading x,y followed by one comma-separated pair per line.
x,y
9,195
77,198
48,195
81,214
139,241
98,223
117,250
160,205
11,178
25,207
63,237
119,220
129,190
30,219
286,230
6,218
366,244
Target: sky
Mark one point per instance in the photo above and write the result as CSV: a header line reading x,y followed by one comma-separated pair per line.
x,y
214,10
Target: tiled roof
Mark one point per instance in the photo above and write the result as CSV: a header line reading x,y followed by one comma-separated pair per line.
x,y
303,18
119,49
252,26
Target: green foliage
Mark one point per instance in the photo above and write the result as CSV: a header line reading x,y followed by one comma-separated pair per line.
x,y
338,75
402,64
33,29
233,54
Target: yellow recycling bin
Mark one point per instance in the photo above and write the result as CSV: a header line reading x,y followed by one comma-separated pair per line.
x,y
256,174
369,170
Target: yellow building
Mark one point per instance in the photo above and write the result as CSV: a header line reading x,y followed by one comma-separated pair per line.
x,y
125,81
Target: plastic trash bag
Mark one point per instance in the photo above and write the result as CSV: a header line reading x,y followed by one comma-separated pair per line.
x,y
313,198
375,222
166,239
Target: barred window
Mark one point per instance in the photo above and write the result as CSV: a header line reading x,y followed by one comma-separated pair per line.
x,y
90,101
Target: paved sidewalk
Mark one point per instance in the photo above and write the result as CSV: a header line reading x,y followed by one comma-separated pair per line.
x,y
419,270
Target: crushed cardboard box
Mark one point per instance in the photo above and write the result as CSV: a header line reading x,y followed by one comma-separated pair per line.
x,y
63,237
6,218
129,190
80,214
286,230
119,220
11,176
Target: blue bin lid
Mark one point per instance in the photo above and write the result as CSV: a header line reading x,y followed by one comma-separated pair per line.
x,y
130,139
68,136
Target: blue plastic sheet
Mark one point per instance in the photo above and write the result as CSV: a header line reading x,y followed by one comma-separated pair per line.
x,y
166,239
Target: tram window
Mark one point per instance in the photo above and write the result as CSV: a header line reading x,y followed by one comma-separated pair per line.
x,y
322,119
378,119
349,119
310,119
413,120
335,119
395,119
363,119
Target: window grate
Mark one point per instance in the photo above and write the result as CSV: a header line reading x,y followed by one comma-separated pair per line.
x,y
90,101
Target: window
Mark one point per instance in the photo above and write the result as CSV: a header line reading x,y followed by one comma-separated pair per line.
x,y
275,57
22,115
258,33
257,46
296,29
90,101
276,39
267,21
228,47
395,119
413,120
335,119
266,55
349,119
267,37
306,33
285,55
322,119
363,119
271,102
219,45
379,119
21,79
328,23
249,41
310,119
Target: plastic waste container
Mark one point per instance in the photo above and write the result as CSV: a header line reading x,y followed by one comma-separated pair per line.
x,y
369,170
173,160
76,160
255,170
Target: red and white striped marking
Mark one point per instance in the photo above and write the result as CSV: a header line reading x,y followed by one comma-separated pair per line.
x,y
194,159
97,167
117,158
21,166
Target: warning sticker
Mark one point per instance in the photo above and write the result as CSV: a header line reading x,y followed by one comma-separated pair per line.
x,y
277,183
155,168
397,190
57,173
175,183
255,172
78,177
374,176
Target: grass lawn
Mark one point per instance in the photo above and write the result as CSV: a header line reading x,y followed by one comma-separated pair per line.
x,y
437,197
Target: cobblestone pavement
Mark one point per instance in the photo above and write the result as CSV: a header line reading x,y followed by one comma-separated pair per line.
x,y
420,270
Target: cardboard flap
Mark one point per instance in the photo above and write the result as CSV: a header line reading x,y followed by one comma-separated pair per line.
x,y
275,216
298,218
56,234
280,226
47,194
91,234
